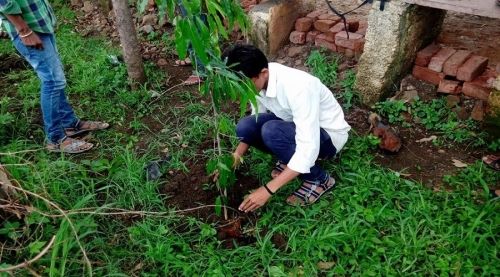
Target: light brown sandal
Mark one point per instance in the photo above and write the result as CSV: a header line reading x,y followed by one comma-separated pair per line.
x,y
85,126
70,146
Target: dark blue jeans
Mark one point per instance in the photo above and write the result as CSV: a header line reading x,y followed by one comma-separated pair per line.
x,y
57,112
271,134
199,66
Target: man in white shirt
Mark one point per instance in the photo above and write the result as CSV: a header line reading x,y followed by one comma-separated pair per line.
x,y
298,121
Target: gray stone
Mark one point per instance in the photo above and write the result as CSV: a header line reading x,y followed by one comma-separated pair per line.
x,y
88,7
76,3
452,100
392,40
410,96
149,19
271,24
295,51
147,29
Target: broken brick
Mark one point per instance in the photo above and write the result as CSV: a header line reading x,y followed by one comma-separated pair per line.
x,y
311,35
298,37
451,66
322,41
472,68
323,25
440,58
427,75
424,56
449,87
303,24
354,42
476,91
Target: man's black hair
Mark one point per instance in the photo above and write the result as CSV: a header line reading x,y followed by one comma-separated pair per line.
x,y
245,58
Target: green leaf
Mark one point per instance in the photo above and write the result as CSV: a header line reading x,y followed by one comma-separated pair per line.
x,y
36,246
218,206
142,5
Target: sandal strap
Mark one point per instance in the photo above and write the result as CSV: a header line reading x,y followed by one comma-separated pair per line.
x,y
279,166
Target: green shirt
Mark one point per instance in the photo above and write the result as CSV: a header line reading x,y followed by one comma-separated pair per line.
x,y
38,14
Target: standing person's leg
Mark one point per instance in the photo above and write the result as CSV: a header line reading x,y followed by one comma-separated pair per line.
x,y
198,65
47,65
279,137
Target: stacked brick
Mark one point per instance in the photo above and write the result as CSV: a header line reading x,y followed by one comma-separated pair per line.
x,y
328,31
455,72
247,5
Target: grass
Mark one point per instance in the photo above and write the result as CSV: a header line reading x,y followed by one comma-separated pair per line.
x,y
374,223
436,116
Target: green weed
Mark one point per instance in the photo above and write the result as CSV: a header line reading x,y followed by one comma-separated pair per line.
x,y
324,67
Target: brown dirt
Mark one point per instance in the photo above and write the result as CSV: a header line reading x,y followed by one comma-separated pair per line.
x,y
11,63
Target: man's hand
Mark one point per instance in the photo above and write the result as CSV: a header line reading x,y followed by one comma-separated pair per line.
x,y
255,200
32,41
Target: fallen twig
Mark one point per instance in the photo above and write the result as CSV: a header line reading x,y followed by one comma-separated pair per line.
x,y
36,258
87,261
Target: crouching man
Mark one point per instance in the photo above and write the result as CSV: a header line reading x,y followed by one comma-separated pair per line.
x,y
298,121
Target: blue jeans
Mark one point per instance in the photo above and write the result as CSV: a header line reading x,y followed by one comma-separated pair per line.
x,y
199,66
57,112
271,134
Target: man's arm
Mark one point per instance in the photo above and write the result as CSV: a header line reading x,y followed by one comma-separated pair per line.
x,y
27,36
13,12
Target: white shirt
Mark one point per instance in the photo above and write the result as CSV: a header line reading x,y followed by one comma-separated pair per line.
x,y
297,96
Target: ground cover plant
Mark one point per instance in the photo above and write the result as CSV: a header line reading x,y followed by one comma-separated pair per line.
x,y
374,223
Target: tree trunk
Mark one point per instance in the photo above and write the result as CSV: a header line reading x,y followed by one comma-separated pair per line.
x,y
130,44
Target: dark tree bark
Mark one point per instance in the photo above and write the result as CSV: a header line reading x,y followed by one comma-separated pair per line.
x,y
129,42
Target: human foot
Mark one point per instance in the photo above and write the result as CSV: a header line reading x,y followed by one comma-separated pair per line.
x,y
278,168
192,80
185,62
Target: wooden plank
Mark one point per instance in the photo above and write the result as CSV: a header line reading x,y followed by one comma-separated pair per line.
x,y
488,8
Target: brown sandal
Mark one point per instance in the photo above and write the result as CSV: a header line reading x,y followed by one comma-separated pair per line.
x,y
310,192
70,146
492,161
278,168
85,126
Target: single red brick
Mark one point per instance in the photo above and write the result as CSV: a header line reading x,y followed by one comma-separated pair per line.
x,y
303,24
427,75
311,35
478,111
298,37
329,36
352,25
424,56
323,25
321,41
337,28
449,86
440,58
476,91
315,14
355,41
450,67
472,68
